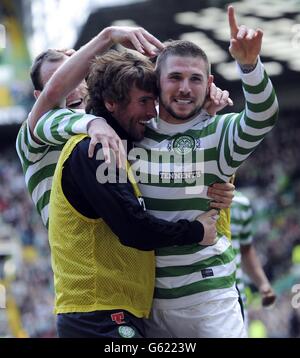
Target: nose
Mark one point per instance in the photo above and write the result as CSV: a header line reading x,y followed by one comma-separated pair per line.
x,y
185,87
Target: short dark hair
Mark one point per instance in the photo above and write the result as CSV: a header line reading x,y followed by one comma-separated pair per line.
x,y
180,48
113,75
49,55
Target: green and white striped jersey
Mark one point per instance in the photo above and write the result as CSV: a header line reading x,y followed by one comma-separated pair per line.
x,y
191,274
39,160
241,233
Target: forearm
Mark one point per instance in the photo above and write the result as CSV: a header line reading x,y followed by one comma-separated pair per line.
x,y
134,226
118,206
252,266
261,100
146,232
245,131
73,72
69,76
57,126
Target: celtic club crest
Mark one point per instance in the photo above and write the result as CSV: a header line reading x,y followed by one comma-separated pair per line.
x,y
183,144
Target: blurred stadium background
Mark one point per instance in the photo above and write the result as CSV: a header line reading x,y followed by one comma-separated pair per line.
x,y
271,177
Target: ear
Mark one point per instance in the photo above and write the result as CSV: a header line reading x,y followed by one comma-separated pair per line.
x,y
36,94
110,105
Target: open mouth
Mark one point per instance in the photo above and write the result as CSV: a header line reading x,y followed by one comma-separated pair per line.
x,y
145,122
183,101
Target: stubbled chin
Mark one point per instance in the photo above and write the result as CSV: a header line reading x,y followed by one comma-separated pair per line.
x,y
182,112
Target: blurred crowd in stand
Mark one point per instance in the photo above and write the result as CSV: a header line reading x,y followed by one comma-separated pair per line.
x,y
32,284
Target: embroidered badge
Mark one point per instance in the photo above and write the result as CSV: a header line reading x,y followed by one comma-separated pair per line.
x,y
126,332
183,144
118,317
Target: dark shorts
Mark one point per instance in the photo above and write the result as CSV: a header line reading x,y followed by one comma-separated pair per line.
x,y
100,324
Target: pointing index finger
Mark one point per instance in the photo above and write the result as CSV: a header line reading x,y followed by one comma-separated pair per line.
x,y
232,22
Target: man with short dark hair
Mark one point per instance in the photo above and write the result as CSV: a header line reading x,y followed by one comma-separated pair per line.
x,y
195,293
44,66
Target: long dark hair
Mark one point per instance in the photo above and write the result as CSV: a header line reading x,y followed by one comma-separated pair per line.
x,y
113,75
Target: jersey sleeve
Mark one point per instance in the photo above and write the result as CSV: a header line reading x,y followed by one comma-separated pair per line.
x,y
28,150
57,126
241,133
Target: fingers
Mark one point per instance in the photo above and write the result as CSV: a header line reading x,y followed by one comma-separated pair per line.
x,y
230,102
223,186
246,33
220,205
106,151
149,41
70,52
143,41
242,32
215,93
112,145
115,148
207,215
212,213
209,220
250,34
218,97
222,194
146,44
258,35
222,197
222,97
105,148
221,190
207,104
92,146
122,156
232,22
101,132
136,42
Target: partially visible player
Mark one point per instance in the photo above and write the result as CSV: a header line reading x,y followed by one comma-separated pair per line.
x,y
247,260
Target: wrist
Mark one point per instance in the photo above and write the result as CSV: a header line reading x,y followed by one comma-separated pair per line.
x,y
104,39
97,119
263,287
247,67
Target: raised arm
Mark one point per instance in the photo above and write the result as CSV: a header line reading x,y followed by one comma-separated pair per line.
x,y
71,73
242,132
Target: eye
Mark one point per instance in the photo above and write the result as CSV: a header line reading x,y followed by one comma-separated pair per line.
x,y
196,79
75,104
175,77
143,101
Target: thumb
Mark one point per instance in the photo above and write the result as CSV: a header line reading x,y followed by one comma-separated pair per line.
x,y
207,103
211,213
